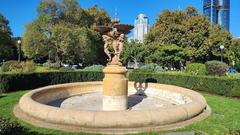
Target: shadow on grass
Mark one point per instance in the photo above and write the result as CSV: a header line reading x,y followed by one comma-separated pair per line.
x,y
2,96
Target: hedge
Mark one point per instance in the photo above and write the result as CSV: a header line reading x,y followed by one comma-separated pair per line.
x,y
25,81
213,84
219,85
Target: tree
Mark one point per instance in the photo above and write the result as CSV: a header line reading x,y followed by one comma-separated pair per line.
x,y
63,33
216,38
166,55
192,32
35,45
99,16
7,48
235,51
133,51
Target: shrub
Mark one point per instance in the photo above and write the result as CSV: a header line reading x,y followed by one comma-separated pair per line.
x,y
214,84
94,68
6,65
152,67
8,127
216,68
26,81
28,66
54,65
19,67
196,69
65,69
238,67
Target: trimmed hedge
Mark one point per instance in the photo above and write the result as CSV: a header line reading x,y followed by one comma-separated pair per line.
x,y
13,82
196,69
213,84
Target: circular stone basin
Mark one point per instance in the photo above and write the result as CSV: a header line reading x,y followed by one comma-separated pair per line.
x,y
78,107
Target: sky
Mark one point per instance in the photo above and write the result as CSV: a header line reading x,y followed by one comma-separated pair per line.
x,y
22,12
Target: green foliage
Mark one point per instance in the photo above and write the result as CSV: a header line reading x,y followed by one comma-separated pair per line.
x,y
238,67
18,67
235,51
7,48
133,52
6,65
25,81
191,31
216,68
196,69
55,65
152,67
63,32
8,127
166,55
94,68
218,85
65,69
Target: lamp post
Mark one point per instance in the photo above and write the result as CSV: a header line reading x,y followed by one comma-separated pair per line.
x,y
221,48
19,50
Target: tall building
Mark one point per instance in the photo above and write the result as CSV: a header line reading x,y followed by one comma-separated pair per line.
x,y
218,11
141,27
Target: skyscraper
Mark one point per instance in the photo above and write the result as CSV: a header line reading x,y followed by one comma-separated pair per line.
x,y
218,11
141,27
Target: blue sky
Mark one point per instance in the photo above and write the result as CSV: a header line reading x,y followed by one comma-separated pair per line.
x,y
21,12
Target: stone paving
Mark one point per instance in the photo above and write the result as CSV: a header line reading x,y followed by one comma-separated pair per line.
x,y
93,101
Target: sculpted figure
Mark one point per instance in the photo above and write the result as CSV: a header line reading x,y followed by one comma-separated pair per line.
x,y
120,44
107,43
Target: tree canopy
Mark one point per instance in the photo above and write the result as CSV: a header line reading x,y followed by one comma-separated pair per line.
x,y
7,48
63,32
192,32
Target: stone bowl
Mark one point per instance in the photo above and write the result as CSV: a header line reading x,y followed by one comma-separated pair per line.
x,y
186,107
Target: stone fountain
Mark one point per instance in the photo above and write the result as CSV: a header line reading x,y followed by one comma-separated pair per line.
x,y
115,82
114,105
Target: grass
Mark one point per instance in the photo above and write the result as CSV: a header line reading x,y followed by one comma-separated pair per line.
x,y
44,69
225,117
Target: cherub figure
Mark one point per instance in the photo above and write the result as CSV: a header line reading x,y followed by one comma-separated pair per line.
x,y
120,44
107,43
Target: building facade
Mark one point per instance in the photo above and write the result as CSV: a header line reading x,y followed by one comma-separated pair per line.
x,y
141,27
218,12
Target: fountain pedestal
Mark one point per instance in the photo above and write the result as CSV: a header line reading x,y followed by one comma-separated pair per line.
x,y
115,88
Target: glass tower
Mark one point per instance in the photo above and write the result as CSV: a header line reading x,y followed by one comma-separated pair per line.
x,y
218,11
141,27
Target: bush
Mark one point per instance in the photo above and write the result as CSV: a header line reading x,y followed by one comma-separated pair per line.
x,y
26,81
213,84
238,67
28,66
54,65
65,69
216,68
6,65
196,69
94,68
19,67
152,67
8,127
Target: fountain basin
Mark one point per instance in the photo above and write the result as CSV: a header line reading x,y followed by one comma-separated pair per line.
x,y
186,107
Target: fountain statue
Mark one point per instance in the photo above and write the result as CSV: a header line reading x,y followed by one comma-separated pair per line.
x,y
114,105
115,82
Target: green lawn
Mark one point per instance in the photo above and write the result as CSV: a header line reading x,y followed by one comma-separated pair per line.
x,y
225,117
